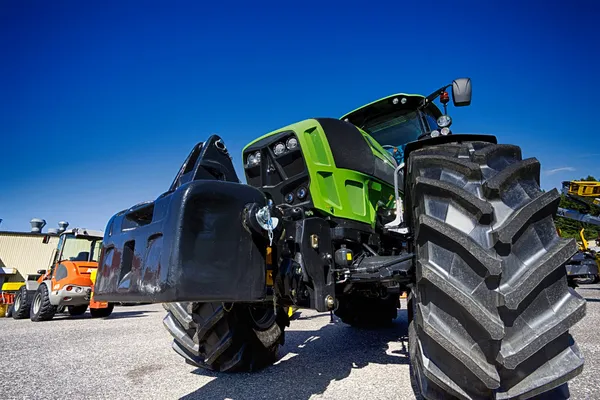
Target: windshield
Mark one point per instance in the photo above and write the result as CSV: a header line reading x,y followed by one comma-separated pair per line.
x,y
396,130
79,248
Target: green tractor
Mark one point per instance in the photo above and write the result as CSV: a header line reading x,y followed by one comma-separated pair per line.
x,y
343,215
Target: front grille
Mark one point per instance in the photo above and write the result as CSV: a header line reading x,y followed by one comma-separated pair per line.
x,y
276,175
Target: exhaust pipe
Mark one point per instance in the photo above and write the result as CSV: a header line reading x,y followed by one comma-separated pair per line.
x,y
37,225
62,226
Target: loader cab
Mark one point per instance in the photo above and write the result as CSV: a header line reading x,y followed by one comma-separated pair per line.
x,y
78,246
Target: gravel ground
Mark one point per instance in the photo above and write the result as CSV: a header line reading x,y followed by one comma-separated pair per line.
x,y
129,356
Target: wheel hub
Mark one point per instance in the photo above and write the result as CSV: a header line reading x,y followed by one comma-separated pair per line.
x,y
262,317
37,303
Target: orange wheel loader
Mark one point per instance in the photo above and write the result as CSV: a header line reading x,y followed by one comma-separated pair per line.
x,y
68,283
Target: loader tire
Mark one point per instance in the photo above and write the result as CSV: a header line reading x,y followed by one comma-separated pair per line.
x,y
22,304
77,310
102,312
226,337
365,312
491,307
41,308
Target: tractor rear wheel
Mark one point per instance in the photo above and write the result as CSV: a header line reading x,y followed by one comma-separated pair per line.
x,y
77,310
365,312
41,308
221,337
491,307
22,304
102,312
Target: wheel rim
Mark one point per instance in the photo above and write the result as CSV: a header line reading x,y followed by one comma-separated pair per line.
x,y
37,303
17,305
262,317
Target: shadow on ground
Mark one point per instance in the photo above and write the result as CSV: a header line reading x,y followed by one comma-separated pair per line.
x,y
311,360
592,300
129,314
116,314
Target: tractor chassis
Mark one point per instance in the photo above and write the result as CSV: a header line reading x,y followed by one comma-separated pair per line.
x,y
202,241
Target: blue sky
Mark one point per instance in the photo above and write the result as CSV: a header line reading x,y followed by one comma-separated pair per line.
x,y
100,102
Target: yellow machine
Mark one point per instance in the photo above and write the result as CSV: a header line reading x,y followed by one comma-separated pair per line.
x,y
583,188
586,263
7,297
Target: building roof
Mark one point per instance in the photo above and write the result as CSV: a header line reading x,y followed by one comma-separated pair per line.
x,y
17,233
76,231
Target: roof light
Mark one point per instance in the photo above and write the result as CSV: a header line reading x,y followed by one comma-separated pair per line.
x,y
444,121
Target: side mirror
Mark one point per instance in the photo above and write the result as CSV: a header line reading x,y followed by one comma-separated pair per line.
x,y
461,92
41,271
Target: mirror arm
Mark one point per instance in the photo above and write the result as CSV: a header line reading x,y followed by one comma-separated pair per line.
x,y
433,96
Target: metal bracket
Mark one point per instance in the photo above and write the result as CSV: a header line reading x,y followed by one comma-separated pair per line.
x,y
394,226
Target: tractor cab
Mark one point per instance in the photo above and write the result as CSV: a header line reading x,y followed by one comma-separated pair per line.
x,y
399,119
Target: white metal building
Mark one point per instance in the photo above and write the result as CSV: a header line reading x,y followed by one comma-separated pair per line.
x,y
23,253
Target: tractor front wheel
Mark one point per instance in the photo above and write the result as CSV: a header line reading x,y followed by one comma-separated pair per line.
x,y
41,308
491,307
221,337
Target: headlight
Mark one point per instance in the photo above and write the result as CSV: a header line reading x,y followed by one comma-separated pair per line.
x,y
289,198
435,133
252,160
279,149
301,193
445,131
444,121
257,157
292,143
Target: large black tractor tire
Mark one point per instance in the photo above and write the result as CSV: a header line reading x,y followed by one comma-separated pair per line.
x,y
41,308
491,305
102,312
77,310
222,337
22,304
367,312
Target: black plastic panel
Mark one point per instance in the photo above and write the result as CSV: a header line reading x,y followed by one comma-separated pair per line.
x,y
316,262
348,146
276,175
195,249
191,244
